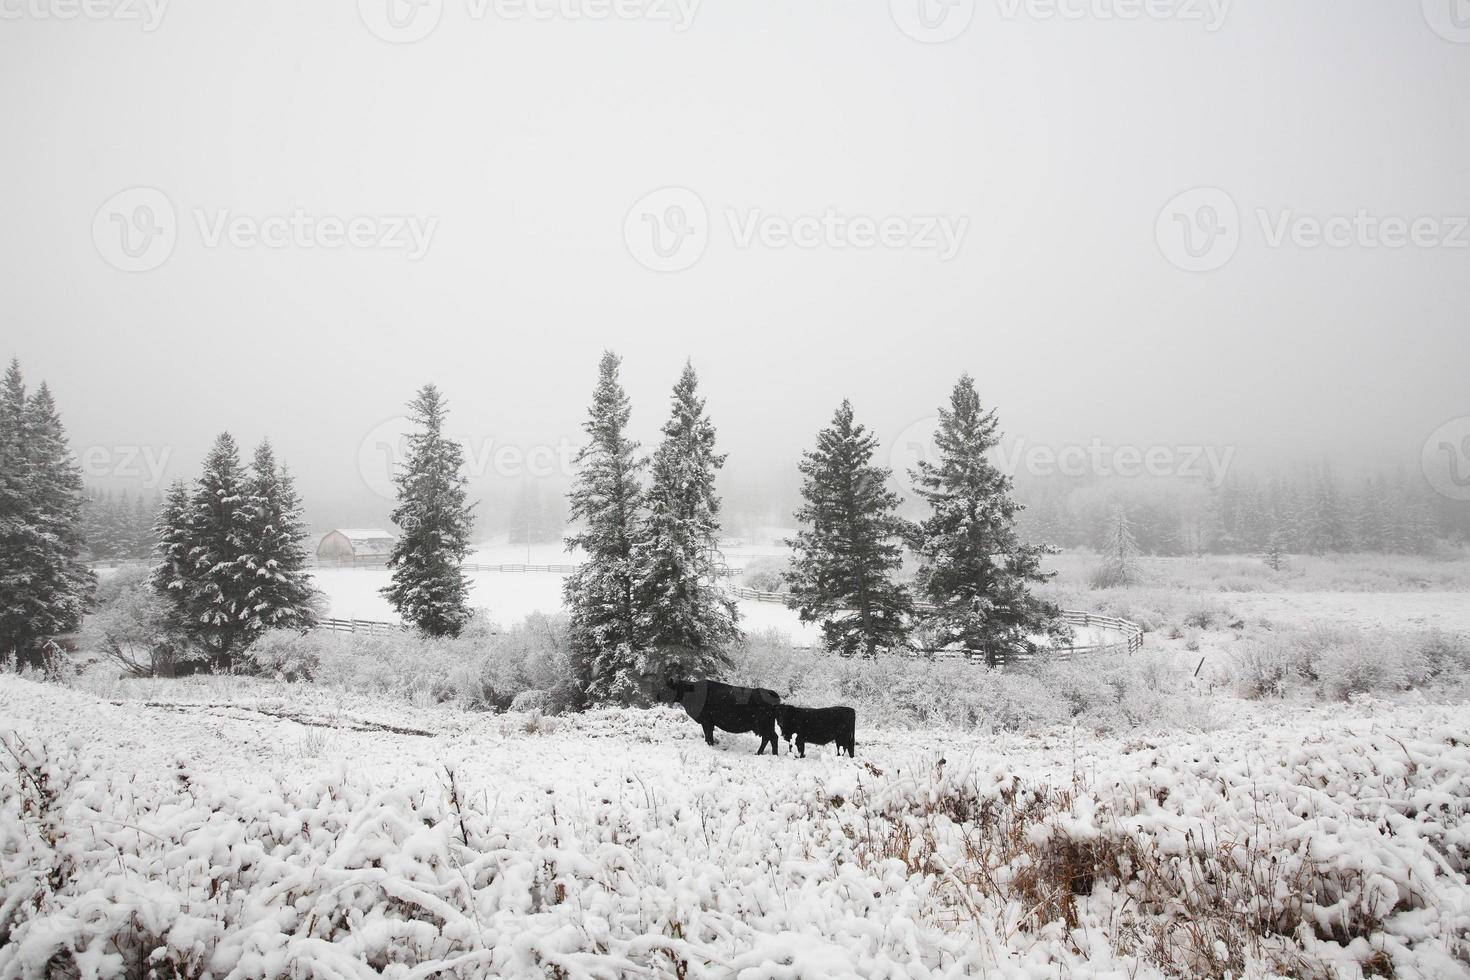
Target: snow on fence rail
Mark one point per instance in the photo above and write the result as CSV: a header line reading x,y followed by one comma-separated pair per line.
x,y
1130,633
371,627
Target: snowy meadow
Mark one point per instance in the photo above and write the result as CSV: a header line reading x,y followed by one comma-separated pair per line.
x,y
389,806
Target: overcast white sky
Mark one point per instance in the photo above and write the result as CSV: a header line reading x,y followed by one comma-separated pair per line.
x,y
523,142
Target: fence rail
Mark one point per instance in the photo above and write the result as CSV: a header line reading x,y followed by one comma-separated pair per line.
x,y
370,627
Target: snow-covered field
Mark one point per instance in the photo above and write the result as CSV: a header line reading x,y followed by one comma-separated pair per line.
x,y
509,597
230,828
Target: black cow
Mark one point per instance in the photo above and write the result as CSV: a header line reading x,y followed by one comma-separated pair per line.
x,y
730,709
819,726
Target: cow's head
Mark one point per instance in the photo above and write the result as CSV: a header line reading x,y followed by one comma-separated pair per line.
x,y
676,687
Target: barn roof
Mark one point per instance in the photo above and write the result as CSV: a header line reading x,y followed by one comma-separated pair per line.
x,y
364,533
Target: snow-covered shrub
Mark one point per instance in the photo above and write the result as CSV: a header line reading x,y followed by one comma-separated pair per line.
x,y
129,625
528,701
903,691
482,669
288,655
765,574
1259,670
1336,663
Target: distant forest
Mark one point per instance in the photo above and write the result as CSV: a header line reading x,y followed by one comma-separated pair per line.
x,y
1308,511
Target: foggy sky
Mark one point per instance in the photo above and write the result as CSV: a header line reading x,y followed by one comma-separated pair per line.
x,y
1059,140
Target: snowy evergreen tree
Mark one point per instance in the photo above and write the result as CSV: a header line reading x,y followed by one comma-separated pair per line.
x,y
428,589
850,544
1119,566
281,595
18,532
973,568
606,503
686,621
216,602
173,577
1276,551
45,587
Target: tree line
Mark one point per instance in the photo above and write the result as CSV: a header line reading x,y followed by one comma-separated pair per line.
x,y
118,528
1304,511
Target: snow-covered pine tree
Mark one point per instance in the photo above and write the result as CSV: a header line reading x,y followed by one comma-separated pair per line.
x,y
45,587
18,530
428,589
850,544
62,584
217,600
605,502
173,577
1276,550
281,595
973,568
1119,566
686,620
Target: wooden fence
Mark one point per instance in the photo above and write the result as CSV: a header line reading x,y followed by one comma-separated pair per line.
x,y
370,627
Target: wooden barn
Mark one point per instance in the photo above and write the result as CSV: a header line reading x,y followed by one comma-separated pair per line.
x,y
366,545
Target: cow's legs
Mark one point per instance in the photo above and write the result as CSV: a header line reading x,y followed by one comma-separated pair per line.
x,y
769,737
801,747
709,733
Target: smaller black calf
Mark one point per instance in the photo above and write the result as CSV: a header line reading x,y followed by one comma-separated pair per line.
x,y
818,726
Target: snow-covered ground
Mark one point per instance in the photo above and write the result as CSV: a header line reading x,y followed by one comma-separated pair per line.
x,y
509,597
1448,611
234,828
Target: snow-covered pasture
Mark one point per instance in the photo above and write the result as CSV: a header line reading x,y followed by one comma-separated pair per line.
x,y
270,830
509,597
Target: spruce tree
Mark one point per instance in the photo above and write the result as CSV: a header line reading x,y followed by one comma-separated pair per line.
x,y
216,607
428,589
850,544
1119,566
18,531
173,577
281,595
686,620
973,568
45,585
606,501
1276,550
